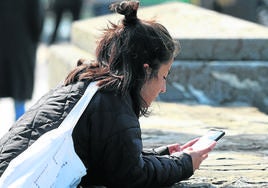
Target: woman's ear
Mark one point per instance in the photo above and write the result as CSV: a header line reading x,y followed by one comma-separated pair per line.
x,y
146,66
147,69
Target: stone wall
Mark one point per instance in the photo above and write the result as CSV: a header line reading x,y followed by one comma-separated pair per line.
x,y
223,59
219,83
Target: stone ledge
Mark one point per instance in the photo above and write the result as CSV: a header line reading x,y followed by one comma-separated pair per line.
x,y
223,49
203,37
205,82
230,169
219,83
62,59
240,158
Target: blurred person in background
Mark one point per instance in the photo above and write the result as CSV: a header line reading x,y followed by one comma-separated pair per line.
x,y
100,7
21,23
58,8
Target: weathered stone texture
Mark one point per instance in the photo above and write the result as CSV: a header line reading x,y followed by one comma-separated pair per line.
x,y
219,83
240,158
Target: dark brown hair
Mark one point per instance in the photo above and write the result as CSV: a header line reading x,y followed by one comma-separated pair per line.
x,y
123,50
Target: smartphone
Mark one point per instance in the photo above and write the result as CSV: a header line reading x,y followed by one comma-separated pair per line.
x,y
208,138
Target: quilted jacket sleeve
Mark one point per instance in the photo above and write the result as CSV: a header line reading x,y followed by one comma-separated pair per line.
x,y
134,169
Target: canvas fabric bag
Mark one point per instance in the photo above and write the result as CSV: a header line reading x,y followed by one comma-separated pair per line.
x,y
51,160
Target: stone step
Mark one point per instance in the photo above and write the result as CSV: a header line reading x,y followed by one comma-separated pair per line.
x,y
201,82
204,34
219,83
61,59
194,76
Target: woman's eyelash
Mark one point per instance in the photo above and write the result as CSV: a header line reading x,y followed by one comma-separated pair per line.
x,y
165,77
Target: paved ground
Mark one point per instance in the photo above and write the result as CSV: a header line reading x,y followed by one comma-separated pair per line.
x,y
240,159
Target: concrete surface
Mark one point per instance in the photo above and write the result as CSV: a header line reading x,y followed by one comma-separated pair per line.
x,y
203,34
240,158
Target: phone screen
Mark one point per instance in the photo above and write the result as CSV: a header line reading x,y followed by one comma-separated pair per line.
x,y
214,134
207,139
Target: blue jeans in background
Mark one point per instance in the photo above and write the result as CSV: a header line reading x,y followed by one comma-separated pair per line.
x,y
19,108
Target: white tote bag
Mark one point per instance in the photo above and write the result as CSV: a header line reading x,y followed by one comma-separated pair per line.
x,y
51,160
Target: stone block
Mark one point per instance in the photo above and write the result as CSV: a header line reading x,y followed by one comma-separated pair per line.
x,y
224,49
204,34
223,59
219,83
61,59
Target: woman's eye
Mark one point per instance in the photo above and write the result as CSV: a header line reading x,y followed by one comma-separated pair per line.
x,y
165,77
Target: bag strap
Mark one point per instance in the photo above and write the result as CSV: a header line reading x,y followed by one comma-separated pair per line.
x,y
72,118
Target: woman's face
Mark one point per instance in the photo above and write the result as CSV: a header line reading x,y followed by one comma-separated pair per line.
x,y
155,85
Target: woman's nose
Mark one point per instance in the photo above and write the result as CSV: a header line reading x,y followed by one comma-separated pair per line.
x,y
164,88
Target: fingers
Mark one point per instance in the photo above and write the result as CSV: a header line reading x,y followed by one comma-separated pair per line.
x,y
209,148
190,143
199,155
204,156
200,160
174,148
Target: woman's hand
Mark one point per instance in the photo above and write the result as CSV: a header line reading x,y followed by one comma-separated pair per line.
x,y
172,148
189,144
198,155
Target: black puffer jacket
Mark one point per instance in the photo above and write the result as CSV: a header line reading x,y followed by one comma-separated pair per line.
x,y
107,138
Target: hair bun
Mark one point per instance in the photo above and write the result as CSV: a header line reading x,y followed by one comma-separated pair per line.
x,y
128,9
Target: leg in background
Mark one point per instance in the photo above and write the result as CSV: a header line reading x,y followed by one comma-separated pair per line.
x,y
19,108
58,17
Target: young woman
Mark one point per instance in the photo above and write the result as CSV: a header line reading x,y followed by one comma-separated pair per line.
x,y
133,60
